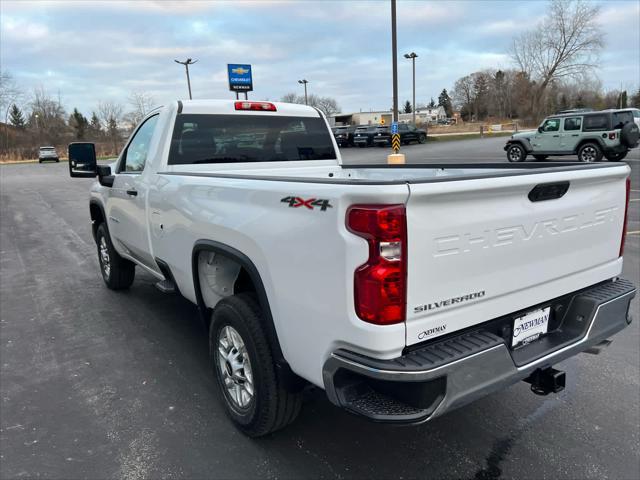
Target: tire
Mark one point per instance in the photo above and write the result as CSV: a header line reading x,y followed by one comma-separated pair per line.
x,y
630,135
422,139
590,152
516,153
270,406
540,158
361,145
117,272
39,161
616,157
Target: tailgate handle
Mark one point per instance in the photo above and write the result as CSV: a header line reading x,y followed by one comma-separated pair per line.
x,y
548,191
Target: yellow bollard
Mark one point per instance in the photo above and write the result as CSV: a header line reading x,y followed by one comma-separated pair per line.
x,y
396,159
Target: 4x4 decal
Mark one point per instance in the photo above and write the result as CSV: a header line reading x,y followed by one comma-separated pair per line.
x,y
310,203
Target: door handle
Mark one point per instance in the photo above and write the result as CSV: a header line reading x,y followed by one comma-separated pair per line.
x,y
556,136
133,193
575,135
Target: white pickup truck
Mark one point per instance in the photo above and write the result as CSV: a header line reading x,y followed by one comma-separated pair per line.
x,y
402,291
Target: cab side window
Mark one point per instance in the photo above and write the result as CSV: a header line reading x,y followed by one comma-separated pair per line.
x,y
135,156
573,123
551,125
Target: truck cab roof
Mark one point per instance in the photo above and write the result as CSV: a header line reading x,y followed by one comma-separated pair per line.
x,y
246,107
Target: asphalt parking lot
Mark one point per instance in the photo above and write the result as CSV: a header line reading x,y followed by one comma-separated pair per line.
x,y
99,384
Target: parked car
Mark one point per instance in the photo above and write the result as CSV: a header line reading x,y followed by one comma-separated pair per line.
x,y
344,135
363,135
48,154
303,273
408,133
590,135
382,136
636,115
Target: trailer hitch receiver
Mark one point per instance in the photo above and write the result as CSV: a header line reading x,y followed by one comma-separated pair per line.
x,y
546,381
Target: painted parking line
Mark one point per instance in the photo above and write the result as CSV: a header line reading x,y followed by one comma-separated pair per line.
x,y
635,232
635,200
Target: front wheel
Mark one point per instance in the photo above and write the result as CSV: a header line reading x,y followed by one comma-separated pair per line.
x,y
422,139
516,153
253,393
117,272
616,157
590,152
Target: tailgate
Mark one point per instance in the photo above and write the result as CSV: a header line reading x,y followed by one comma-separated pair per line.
x,y
479,249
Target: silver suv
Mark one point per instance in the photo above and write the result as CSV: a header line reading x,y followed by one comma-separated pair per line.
x,y
48,153
590,135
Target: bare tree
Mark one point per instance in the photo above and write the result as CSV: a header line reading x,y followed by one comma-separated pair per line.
x,y
9,95
565,44
291,98
47,117
327,105
141,103
110,113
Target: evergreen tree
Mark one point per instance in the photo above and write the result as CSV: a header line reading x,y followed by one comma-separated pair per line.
x,y
623,99
444,101
407,107
94,125
635,99
432,104
79,123
16,118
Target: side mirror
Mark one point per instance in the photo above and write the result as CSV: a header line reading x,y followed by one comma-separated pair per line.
x,y
82,160
539,129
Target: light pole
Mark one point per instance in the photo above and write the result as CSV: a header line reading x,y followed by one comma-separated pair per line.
x,y
186,64
304,82
413,57
394,50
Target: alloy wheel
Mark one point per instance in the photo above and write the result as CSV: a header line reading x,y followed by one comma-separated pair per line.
x,y
235,368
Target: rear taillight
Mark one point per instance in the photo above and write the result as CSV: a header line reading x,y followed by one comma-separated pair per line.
x,y
626,211
380,284
612,135
259,106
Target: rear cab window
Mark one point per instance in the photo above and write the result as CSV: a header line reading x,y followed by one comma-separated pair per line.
x,y
595,123
209,138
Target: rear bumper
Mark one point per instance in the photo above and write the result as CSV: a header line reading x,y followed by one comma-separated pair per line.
x,y
448,373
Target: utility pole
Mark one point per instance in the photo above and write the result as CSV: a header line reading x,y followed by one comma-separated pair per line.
x,y
413,57
395,157
304,82
186,64
394,50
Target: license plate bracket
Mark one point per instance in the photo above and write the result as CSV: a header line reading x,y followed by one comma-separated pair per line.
x,y
530,326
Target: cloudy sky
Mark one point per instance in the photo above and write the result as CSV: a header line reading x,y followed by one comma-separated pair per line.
x,y
89,51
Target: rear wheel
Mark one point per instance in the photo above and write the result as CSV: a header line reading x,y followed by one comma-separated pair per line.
x,y
254,395
117,272
616,157
516,153
540,158
590,152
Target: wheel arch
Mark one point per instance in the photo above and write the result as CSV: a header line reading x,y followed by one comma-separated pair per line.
x,y
96,211
522,143
597,140
248,269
